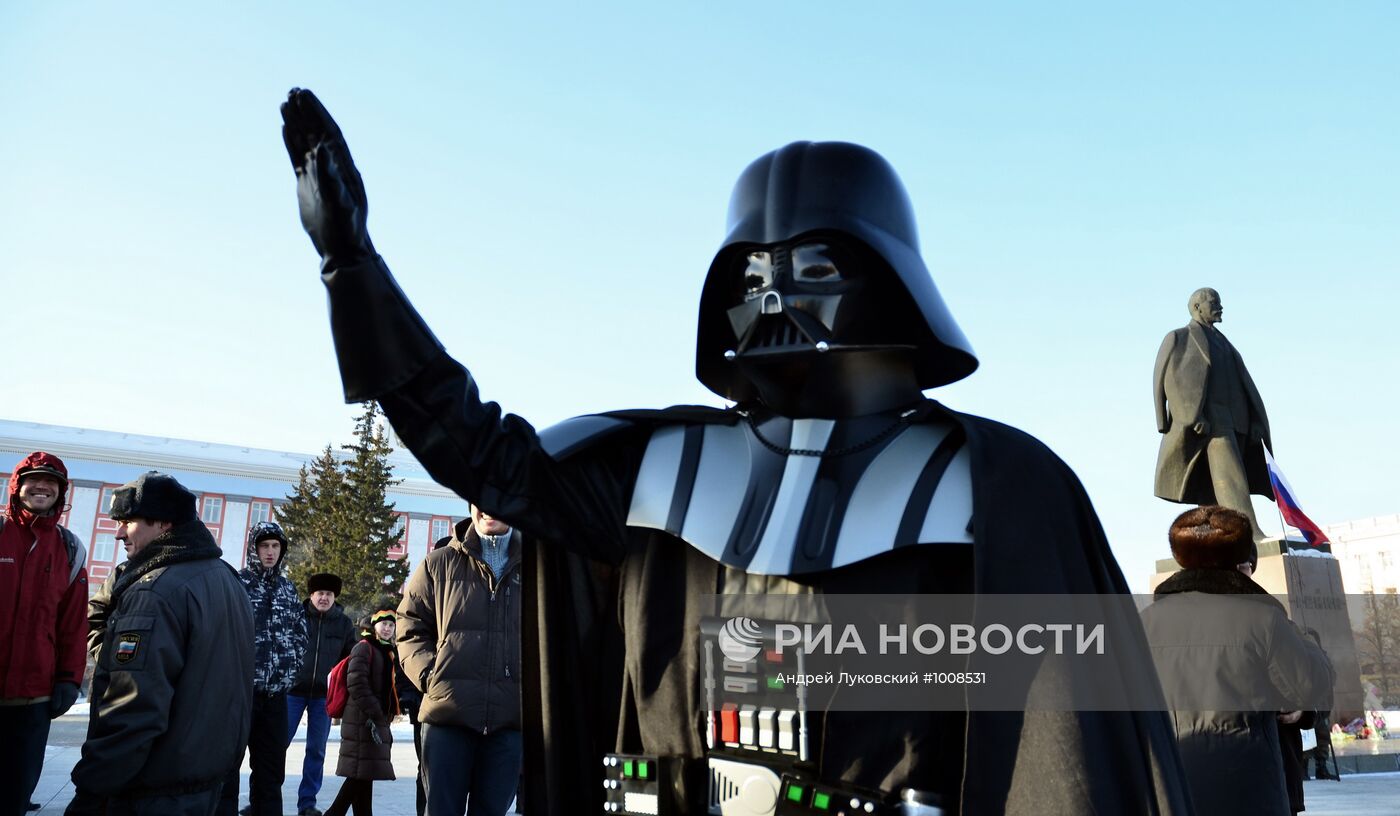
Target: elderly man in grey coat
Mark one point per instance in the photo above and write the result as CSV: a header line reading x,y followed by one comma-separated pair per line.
x,y
1229,660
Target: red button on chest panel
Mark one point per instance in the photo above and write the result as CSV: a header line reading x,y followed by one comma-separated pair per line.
x,y
729,723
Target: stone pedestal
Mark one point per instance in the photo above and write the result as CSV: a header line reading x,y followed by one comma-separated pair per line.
x,y
1310,588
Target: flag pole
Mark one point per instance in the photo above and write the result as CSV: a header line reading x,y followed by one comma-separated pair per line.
x,y
1283,525
1283,537
1283,491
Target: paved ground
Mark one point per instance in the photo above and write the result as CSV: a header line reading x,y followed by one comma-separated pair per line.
x,y
1372,794
390,798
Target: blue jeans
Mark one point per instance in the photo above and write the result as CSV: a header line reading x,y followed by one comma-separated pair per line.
x,y
458,762
318,727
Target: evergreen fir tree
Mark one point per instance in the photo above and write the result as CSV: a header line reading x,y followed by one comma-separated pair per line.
x,y
340,520
369,515
311,518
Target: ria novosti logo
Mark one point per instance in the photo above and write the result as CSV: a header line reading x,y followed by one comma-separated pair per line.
x,y
741,639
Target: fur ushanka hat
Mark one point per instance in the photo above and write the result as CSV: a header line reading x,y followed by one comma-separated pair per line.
x,y
155,497
1211,537
330,582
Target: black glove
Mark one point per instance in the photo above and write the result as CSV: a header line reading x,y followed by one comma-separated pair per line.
x,y
329,190
64,695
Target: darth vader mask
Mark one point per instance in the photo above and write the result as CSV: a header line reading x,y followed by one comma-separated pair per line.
x,y
818,303
819,294
822,327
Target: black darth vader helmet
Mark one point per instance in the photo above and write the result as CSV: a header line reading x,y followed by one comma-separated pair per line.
x,y
797,216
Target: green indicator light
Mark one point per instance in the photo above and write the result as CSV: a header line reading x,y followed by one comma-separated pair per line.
x,y
795,792
821,801
775,682
627,767
643,768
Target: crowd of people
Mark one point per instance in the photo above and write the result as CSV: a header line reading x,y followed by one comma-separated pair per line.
x,y
197,664
176,633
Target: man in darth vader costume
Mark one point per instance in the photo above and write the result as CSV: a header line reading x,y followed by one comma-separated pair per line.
x,y
832,473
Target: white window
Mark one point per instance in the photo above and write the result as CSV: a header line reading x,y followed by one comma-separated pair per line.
x,y
259,512
103,546
400,522
104,504
213,510
442,528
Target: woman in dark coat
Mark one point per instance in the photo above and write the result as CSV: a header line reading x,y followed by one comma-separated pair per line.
x,y
365,740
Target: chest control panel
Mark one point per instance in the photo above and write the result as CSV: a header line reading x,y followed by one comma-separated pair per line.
x,y
632,785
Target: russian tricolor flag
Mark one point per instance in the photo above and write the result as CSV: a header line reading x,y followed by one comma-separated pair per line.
x,y
1288,504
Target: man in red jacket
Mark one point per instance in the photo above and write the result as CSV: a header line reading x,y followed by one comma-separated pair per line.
x,y
43,622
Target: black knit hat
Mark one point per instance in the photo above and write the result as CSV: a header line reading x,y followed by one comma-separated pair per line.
x,y
153,496
323,581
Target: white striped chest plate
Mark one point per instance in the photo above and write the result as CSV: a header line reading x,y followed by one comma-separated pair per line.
x,y
721,490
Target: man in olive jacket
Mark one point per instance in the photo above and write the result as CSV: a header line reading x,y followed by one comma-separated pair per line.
x,y
172,692
459,640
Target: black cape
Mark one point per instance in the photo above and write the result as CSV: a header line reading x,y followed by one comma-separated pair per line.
x,y
610,610
1035,533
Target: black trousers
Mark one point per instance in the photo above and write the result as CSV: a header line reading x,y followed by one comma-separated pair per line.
x,y
420,796
187,804
24,730
356,795
267,759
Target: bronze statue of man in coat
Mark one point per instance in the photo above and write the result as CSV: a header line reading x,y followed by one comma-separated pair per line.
x,y
1211,417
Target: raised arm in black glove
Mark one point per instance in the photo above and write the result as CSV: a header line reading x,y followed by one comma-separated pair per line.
x,y
329,190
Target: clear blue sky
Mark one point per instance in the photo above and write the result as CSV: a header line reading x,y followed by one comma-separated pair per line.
x,y
549,181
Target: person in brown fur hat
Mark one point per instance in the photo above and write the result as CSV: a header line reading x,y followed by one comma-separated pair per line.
x,y
1229,660
1210,537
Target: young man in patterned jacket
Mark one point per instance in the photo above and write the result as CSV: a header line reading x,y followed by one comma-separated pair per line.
x,y
279,646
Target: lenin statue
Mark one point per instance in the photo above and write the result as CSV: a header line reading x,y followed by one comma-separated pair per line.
x,y
1211,417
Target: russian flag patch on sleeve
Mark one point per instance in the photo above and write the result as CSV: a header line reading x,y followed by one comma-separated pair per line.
x,y
127,644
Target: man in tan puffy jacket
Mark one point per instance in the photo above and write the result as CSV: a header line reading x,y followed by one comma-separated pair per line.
x,y
459,640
